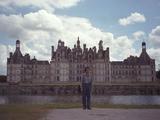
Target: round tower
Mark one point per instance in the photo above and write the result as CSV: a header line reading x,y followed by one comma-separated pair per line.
x,y
143,46
18,44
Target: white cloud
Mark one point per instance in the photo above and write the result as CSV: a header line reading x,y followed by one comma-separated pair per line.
x,y
132,19
3,58
154,37
39,30
155,54
42,4
154,40
139,35
122,47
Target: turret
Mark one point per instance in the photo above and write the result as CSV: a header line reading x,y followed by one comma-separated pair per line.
x,y
143,47
107,54
100,45
52,52
10,54
27,57
17,56
78,43
59,43
62,43
52,49
84,47
94,49
144,58
18,44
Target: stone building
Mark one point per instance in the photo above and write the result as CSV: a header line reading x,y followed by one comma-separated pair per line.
x,y
134,69
68,64
25,70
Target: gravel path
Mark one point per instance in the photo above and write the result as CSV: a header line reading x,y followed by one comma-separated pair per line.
x,y
103,114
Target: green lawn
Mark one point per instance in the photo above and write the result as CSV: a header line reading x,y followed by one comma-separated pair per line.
x,y
22,112
35,112
30,112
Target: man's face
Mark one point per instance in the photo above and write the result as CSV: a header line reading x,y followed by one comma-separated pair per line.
x,y
87,71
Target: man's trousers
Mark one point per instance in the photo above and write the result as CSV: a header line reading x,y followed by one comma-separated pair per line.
x,y
86,95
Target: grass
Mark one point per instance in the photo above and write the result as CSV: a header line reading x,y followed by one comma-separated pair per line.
x,y
22,112
31,112
35,112
121,106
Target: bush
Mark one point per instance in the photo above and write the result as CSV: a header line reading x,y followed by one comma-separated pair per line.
x,y
3,79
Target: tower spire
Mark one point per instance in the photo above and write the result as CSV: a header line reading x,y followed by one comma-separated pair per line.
x,y
78,42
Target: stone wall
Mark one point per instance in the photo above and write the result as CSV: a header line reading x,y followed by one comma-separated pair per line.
x,y
112,89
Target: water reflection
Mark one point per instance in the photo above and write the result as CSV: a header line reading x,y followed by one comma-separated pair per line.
x,y
134,100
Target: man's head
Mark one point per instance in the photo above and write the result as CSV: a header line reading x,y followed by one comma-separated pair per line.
x,y
86,70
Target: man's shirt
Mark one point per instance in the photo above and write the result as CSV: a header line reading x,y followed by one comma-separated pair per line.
x,y
87,79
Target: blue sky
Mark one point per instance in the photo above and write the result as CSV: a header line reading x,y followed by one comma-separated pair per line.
x,y
39,24
105,13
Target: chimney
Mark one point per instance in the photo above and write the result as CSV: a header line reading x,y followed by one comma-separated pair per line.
x,y
52,52
52,49
107,53
78,43
10,54
84,46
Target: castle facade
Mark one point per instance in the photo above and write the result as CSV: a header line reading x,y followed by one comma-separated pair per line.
x,y
67,65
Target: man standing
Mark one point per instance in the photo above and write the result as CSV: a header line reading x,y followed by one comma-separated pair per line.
x,y
86,88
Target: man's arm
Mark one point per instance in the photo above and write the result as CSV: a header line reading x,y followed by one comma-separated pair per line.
x,y
81,84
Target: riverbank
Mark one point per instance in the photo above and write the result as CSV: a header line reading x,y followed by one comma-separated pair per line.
x,y
73,111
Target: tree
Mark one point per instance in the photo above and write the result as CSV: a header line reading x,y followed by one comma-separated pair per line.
x,y
3,78
158,74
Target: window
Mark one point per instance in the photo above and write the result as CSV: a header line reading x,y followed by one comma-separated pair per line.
x,y
57,78
139,72
152,72
77,78
57,71
126,72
